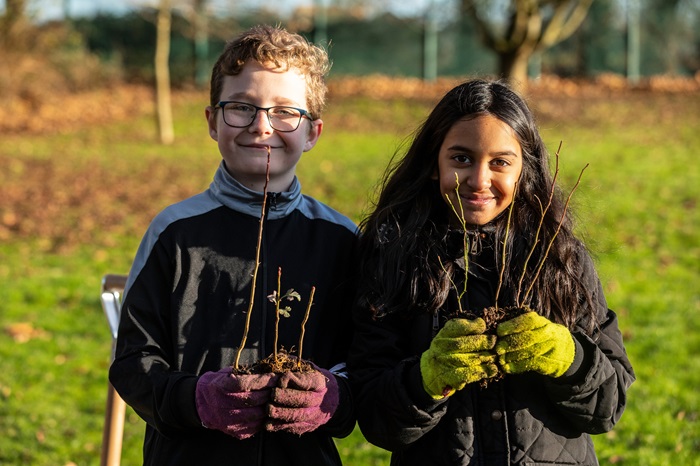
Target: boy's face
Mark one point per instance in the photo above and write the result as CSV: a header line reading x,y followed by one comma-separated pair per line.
x,y
486,156
245,149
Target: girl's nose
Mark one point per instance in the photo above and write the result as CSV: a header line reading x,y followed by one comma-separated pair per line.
x,y
479,177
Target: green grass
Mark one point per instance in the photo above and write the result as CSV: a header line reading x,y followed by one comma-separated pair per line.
x,y
82,200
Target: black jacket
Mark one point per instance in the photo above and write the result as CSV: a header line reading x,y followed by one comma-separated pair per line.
x,y
185,305
525,419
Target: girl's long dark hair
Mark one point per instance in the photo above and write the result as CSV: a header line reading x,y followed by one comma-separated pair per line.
x,y
401,237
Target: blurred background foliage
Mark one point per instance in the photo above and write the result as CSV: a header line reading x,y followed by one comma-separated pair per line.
x,y
612,43
80,53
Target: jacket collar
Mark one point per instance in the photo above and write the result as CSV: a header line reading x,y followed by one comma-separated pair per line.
x,y
229,192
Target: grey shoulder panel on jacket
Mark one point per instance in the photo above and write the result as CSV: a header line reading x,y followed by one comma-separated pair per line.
x,y
316,210
196,205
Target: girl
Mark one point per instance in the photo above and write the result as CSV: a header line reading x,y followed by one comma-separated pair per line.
x,y
433,384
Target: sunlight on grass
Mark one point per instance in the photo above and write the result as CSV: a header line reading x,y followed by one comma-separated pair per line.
x,y
86,198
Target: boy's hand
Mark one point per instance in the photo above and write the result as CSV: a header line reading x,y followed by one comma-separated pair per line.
x,y
458,355
302,401
531,342
234,404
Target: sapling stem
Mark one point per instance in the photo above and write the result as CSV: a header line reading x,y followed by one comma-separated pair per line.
x,y
452,282
251,302
303,324
505,245
277,309
526,298
543,211
465,243
277,298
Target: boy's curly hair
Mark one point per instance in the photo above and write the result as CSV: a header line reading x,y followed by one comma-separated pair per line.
x,y
286,50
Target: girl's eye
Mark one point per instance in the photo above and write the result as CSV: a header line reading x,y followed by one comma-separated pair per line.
x,y
501,162
461,159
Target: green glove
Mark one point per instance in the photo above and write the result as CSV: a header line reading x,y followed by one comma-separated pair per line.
x,y
531,342
459,354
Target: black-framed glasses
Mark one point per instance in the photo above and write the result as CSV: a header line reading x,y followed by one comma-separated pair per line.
x,y
281,118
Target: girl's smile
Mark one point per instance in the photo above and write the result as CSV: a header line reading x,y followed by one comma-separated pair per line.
x,y
483,155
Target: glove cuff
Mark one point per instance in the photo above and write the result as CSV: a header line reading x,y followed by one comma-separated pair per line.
x,y
184,394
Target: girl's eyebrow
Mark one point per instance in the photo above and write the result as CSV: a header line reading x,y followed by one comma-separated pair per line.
x,y
501,153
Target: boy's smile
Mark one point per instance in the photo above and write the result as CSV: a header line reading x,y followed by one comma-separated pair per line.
x,y
244,150
486,157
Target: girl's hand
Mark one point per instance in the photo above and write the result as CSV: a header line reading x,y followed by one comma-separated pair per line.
x,y
458,355
531,342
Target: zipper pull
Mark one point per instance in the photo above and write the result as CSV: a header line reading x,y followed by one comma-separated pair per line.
x,y
474,243
270,202
273,200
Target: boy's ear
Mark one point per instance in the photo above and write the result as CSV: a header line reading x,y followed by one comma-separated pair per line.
x,y
210,115
314,133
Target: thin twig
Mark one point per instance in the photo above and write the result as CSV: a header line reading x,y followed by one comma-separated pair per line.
x,y
257,264
277,309
505,245
303,324
539,226
549,246
465,241
454,285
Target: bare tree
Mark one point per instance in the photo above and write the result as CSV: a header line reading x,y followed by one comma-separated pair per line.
x,y
528,27
162,72
200,25
13,24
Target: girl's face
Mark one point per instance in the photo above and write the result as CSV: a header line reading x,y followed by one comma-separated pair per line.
x,y
484,154
245,149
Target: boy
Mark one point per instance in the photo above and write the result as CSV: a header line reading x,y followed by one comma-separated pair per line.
x,y
187,296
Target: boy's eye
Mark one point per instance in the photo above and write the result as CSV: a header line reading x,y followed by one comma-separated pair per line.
x,y
282,112
241,108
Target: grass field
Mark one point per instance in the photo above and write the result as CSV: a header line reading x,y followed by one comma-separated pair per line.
x,y
73,206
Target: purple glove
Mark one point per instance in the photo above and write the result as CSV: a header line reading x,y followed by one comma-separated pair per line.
x,y
234,404
302,401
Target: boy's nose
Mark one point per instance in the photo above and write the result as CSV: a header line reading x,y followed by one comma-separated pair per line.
x,y
261,122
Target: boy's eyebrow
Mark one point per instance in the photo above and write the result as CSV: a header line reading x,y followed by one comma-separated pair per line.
x,y
248,98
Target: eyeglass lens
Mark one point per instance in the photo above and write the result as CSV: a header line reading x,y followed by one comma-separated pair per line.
x,y
281,118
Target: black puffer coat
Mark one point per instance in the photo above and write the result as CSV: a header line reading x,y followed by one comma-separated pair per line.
x,y
526,419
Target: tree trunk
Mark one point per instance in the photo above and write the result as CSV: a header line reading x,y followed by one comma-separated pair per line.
x,y
513,67
13,25
201,43
527,29
162,71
